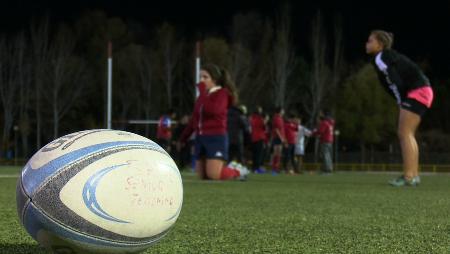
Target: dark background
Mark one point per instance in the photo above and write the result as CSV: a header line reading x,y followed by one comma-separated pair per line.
x,y
421,30
421,33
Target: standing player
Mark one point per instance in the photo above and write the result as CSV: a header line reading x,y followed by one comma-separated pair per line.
x,y
164,131
209,121
278,139
237,126
300,144
258,137
404,80
290,130
325,132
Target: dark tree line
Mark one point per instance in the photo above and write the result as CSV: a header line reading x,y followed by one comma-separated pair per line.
x,y
53,77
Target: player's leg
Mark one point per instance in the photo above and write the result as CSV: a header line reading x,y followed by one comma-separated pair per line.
x,y
276,155
240,154
409,119
292,158
214,168
277,152
299,163
411,111
255,158
232,152
327,156
285,158
200,155
200,168
217,154
407,126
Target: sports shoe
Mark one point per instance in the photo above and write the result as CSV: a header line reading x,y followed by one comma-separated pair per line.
x,y
417,179
274,172
402,181
233,164
243,170
260,171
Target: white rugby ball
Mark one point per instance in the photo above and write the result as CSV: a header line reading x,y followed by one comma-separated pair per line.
x,y
99,191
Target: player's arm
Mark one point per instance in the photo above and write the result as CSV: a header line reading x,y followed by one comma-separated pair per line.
x,y
188,130
320,131
279,133
307,131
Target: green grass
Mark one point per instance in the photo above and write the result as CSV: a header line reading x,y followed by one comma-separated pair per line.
x,y
342,213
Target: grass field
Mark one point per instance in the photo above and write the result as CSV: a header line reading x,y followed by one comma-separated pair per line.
x,y
342,213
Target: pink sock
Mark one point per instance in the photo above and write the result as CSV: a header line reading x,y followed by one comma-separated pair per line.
x,y
228,173
276,162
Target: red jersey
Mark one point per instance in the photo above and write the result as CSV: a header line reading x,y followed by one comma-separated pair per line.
x,y
325,131
258,128
164,128
278,124
210,112
291,130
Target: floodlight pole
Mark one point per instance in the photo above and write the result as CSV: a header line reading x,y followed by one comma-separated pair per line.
x,y
16,129
336,146
197,68
109,85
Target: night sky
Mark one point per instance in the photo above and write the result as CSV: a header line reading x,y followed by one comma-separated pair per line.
x,y
421,30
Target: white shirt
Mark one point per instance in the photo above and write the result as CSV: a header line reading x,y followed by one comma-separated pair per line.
x,y
300,145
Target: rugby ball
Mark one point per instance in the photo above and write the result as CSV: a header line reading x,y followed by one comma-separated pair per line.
x,y
99,191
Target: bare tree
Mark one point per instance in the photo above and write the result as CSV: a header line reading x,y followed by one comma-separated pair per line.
x,y
338,59
12,56
324,79
319,75
217,51
66,76
262,78
145,80
40,44
246,29
283,55
320,71
126,76
170,48
325,76
240,66
185,92
25,84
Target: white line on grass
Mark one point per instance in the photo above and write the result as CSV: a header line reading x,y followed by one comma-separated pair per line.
x,y
8,176
202,181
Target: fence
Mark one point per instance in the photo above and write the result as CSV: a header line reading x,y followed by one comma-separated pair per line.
x,y
378,167
353,167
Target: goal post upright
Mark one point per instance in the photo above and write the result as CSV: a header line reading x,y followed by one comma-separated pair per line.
x,y
197,67
109,103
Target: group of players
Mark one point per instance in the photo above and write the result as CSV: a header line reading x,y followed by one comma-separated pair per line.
x,y
400,76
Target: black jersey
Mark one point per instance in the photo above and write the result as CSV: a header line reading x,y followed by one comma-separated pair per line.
x,y
398,74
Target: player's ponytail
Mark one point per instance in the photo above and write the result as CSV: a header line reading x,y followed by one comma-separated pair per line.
x,y
228,83
384,37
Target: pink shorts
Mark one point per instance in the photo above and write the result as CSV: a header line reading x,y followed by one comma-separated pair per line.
x,y
423,95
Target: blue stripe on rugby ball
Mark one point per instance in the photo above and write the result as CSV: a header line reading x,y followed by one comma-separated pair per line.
x,y
22,199
90,197
33,178
34,221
